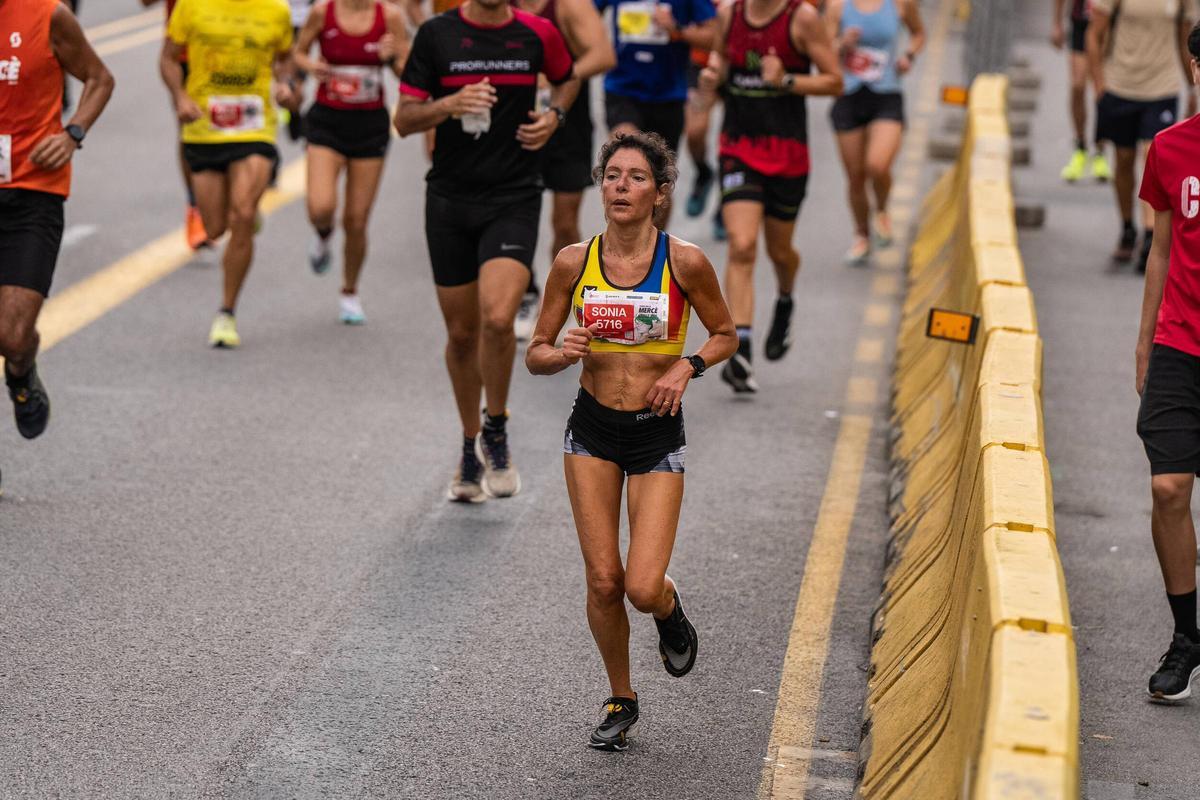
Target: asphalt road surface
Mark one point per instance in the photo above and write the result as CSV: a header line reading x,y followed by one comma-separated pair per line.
x,y
234,574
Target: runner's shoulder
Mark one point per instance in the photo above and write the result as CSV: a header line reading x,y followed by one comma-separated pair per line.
x,y
571,258
688,259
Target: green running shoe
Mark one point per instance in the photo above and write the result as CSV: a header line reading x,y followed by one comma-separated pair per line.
x,y
1076,167
1100,169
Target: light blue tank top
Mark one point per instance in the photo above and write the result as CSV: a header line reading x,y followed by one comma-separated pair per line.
x,y
873,62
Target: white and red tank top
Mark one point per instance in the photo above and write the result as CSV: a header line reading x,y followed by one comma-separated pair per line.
x,y
355,71
31,89
765,127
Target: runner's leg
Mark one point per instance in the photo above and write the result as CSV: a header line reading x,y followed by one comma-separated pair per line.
x,y
502,282
594,486
19,339
743,219
212,200
1079,77
1173,530
883,143
852,145
460,310
248,179
1123,181
362,185
779,234
324,165
654,501
564,217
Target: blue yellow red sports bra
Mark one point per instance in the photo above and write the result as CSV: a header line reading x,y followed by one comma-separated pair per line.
x,y
648,317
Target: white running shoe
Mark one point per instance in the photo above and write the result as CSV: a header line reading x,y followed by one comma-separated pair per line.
x,y
319,255
526,317
500,476
352,312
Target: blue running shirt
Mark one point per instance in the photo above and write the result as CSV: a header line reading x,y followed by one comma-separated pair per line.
x,y
650,67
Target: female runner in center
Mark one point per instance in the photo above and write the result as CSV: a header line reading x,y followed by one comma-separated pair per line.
x,y
631,292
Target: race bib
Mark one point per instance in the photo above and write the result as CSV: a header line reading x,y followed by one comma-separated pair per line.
x,y
356,85
627,317
6,158
236,113
867,63
636,25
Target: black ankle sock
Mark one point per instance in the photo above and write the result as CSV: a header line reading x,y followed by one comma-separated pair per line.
x,y
744,342
1183,609
784,299
17,381
1080,145
1147,240
226,310
494,424
468,449
324,233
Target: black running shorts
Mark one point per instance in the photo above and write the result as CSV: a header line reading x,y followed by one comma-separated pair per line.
x,y
1127,122
1079,35
218,157
665,119
31,228
568,160
464,234
1169,417
636,441
351,133
780,197
853,111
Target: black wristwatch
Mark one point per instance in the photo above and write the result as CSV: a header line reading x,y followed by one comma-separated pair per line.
x,y
558,112
698,365
77,133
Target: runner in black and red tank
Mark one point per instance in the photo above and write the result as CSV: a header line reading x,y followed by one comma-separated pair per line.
x,y
766,53
567,170
472,73
347,127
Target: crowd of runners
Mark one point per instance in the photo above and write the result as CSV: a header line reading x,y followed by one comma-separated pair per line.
x,y
500,91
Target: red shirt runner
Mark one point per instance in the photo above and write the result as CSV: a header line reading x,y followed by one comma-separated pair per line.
x,y
356,73
1172,182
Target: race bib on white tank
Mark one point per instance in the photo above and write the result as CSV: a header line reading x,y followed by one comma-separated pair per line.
x,y
636,25
867,63
356,85
6,169
627,317
234,114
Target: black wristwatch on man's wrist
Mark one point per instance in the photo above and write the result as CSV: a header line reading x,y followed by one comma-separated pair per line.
x,y
698,365
77,133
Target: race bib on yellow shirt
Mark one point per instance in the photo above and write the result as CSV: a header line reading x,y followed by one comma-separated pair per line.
x,y
867,63
636,25
355,84
6,170
233,114
627,317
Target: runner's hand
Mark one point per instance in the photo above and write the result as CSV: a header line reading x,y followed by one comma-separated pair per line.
x,y
387,47
534,135
667,393
285,96
664,19
772,69
1057,36
474,98
709,80
577,344
187,110
850,38
1143,362
903,64
53,152
320,67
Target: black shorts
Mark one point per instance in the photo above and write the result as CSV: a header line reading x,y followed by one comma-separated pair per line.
x,y
568,161
1169,417
781,197
1079,35
1127,122
636,441
853,111
31,228
462,234
351,133
218,157
665,119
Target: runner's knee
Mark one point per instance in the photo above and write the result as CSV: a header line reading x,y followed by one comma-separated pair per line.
x,y
644,595
781,252
879,169
743,249
1171,492
605,588
241,215
497,323
355,224
462,340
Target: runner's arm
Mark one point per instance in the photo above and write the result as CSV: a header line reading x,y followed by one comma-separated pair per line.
x,y
700,34
716,54
1057,35
1185,57
415,9
910,13
833,23
400,42
584,31
1156,279
304,42
73,51
1095,40
542,357
810,36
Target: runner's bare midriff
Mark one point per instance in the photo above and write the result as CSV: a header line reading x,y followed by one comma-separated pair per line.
x,y
621,381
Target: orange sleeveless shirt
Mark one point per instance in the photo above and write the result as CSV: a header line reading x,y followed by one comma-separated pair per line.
x,y
31,91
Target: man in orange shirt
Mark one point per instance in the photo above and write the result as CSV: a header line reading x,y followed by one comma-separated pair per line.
x,y
38,40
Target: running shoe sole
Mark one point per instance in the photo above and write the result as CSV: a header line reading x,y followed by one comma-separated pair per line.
x,y
613,745
456,498
1172,699
674,671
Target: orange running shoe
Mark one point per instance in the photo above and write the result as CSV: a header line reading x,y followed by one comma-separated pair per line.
x,y
197,237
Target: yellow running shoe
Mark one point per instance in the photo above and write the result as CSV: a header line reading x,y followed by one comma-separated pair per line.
x,y
224,332
1100,169
1076,167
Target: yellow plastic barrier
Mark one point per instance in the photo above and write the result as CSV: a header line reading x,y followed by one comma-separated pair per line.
x,y
973,689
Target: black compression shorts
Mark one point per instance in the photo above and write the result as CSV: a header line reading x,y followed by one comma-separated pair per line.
x,y
853,111
1169,417
781,197
463,234
665,119
351,133
31,228
636,441
218,157
1079,35
1126,122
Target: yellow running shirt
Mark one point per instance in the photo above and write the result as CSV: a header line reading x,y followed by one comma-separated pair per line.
x,y
231,45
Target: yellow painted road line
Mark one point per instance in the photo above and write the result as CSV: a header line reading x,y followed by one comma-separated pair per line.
x,y
869,351
84,302
154,16
123,43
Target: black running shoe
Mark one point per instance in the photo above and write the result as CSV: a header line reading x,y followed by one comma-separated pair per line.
x,y
699,196
779,339
738,373
1178,667
1144,255
677,641
1124,251
620,715
31,403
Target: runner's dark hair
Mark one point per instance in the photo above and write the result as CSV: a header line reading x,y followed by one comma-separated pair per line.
x,y
1194,41
657,153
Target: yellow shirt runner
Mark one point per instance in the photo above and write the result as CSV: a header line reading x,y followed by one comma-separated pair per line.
x,y
232,46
